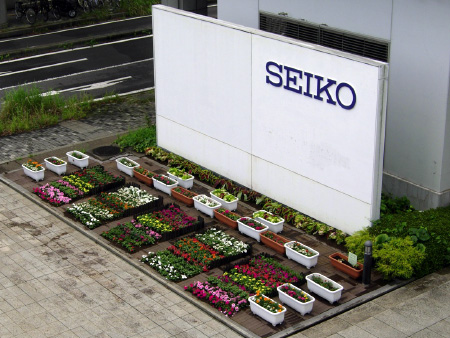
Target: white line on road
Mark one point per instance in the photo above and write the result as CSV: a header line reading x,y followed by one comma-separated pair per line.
x,y
92,86
42,67
75,49
77,28
79,73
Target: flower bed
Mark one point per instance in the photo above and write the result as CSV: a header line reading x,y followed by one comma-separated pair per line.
x,y
228,299
171,222
174,268
108,206
132,236
52,195
224,243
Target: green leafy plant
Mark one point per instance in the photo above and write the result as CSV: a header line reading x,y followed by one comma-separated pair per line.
x,y
139,139
398,258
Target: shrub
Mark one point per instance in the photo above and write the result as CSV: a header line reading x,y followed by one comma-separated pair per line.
x,y
398,258
355,242
139,139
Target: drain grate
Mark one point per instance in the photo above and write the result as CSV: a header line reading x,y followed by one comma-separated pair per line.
x,y
106,151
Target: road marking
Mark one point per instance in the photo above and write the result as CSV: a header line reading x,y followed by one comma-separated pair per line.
x,y
42,67
79,73
127,93
75,49
92,86
77,28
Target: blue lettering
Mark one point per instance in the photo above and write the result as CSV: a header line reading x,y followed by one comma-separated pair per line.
x,y
280,69
308,84
338,89
324,89
292,79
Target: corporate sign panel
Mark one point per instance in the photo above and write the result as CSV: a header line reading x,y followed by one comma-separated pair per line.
x,y
301,124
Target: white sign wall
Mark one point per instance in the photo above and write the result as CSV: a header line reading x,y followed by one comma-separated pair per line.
x,y
301,124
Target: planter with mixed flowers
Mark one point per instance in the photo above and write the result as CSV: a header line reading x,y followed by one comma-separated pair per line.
x,y
126,165
275,223
34,169
248,226
164,183
184,179
78,158
296,298
183,195
143,175
56,165
324,287
227,217
267,308
274,241
227,200
302,254
205,204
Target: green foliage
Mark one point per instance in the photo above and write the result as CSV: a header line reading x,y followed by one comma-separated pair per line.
x,y
355,242
429,228
25,109
139,139
138,7
394,205
398,258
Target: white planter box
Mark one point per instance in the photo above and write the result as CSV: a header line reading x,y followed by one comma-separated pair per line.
x,y
274,227
298,306
81,163
272,318
59,169
204,208
331,296
187,184
126,169
35,175
249,231
308,262
164,187
226,205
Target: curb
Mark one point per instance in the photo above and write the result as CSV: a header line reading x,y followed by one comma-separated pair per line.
x,y
204,307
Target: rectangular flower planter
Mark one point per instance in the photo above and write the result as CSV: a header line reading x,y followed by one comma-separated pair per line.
x,y
271,317
308,262
274,245
297,305
209,210
79,162
347,269
187,183
143,178
59,169
274,227
127,169
164,187
331,296
225,220
35,175
182,198
227,205
249,231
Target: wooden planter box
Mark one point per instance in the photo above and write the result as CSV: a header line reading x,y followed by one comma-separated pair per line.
x,y
225,220
347,269
278,247
180,197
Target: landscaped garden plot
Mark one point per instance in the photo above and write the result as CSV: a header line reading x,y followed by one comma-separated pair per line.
x,y
79,184
112,205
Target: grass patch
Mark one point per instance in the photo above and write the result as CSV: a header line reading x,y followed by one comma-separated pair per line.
x,y
138,7
25,109
139,139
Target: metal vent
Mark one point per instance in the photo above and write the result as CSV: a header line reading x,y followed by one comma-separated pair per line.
x,y
325,36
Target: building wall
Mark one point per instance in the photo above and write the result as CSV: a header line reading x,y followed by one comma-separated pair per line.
x,y
247,15
317,153
417,150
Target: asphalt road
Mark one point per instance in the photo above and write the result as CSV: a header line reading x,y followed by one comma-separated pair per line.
x,y
121,67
